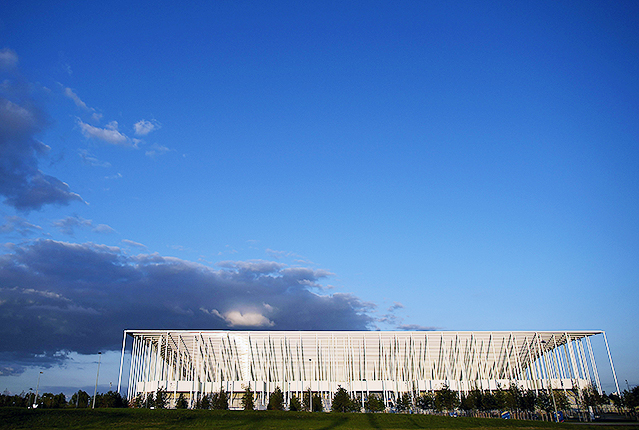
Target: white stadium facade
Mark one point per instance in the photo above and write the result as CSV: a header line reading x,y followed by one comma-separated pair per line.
x,y
388,363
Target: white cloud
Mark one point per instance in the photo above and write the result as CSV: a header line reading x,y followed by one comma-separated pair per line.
x,y
239,319
73,96
8,58
134,244
417,327
156,150
252,266
144,127
280,254
110,134
103,228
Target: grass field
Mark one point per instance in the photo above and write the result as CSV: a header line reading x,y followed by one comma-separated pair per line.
x,y
11,418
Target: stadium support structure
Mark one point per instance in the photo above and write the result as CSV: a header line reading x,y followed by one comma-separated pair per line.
x,y
388,363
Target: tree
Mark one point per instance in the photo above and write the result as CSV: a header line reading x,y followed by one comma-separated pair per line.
x,y
138,401
513,397
631,398
149,401
21,400
544,401
500,399
590,397
247,399
616,400
472,401
488,402
467,403
161,398
220,401
561,400
110,399
295,404
374,403
426,401
446,399
181,402
80,399
318,406
342,401
50,400
311,402
404,402
276,400
205,401
528,401
307,400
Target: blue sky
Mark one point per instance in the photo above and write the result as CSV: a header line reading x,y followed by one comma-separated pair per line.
x,y
284,165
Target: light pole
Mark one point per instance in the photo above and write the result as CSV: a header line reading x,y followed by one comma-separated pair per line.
x,y
37,386
95,392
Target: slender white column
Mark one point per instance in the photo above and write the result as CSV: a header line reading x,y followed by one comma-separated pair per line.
x,y
594,365
121,361
612,366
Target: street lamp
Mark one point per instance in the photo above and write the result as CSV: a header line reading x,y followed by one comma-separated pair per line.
x,y
95,392
37,386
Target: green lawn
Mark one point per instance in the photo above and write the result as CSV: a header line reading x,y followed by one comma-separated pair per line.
x,y
11,418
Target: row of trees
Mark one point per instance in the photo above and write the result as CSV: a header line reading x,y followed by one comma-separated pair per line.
x,y
80,399
629,399
25,400
513,399
442,400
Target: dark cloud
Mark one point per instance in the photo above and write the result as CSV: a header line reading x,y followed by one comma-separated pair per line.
x,y
57,296
69,224
91,160
22,183
16,224
395,306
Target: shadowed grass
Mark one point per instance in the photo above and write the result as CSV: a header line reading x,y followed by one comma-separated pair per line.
x,y
11,418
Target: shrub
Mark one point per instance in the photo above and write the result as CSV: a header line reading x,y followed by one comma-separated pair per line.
x,y
276,400
247,399
342,402
374,403
181,402
295,404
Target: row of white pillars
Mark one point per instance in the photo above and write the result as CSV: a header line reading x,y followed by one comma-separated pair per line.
x,y
164,356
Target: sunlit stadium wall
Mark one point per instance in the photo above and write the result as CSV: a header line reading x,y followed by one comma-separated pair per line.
x,y
195,363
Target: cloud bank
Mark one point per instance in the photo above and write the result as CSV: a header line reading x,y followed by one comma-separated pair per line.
x,y
59,296
22,183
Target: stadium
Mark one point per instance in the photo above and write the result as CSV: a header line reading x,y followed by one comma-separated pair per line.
x,y
387,363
